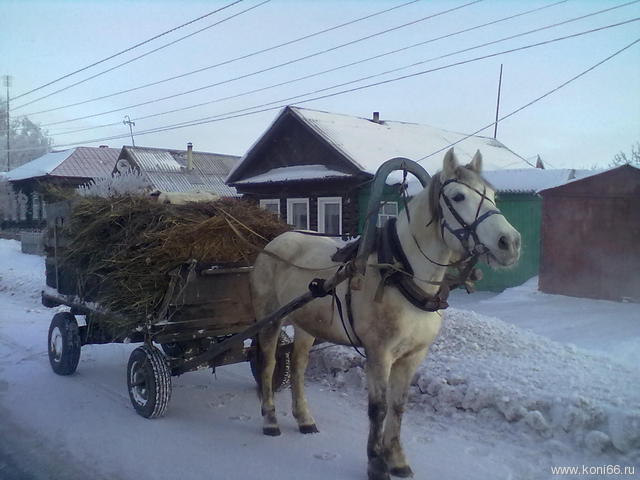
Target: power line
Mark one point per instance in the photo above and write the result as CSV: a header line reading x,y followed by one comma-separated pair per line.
x,y
369,77
126,50
237,113
142,55
306,77
415,64
535,100
284,101
290,62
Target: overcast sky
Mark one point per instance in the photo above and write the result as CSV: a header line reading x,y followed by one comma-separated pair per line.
x,y
581,125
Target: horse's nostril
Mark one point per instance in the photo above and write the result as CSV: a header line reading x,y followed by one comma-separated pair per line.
x,y
503,243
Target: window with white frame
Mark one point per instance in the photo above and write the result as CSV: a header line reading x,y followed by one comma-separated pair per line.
x,y
271,205
387,210
330,215
298,213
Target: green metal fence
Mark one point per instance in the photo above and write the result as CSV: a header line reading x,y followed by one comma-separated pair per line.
x,y
524,212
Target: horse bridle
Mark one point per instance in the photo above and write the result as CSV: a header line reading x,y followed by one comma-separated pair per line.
x,y
466,230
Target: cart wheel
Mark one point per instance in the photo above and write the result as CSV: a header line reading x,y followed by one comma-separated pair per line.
x,y
64,343
149,381
282,372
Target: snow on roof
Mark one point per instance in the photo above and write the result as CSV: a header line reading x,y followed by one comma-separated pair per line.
x,y
39,167
523,180
166,170
533,179
368,144
297,172
83,162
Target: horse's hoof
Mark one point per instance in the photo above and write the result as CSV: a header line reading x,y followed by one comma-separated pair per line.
x,y
378,475
377,470
308,428
402,472
271,431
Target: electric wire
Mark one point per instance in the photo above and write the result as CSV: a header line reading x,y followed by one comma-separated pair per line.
x,y
535,100
161,47
316,74
226,62
257,72
126,50
379,74
257,109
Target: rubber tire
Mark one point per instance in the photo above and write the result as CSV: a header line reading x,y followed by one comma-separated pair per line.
x,y
149,365
65,335
282,372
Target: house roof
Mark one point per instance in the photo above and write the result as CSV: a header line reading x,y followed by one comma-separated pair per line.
x,y
532,180
367,144
79,162
524,180
296,172
166,169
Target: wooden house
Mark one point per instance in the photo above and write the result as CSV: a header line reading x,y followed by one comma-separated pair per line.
x,y
314,168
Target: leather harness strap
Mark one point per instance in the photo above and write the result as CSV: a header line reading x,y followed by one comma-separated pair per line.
x,y
390,252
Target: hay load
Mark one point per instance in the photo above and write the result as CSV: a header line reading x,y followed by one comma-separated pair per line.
x,y
123,249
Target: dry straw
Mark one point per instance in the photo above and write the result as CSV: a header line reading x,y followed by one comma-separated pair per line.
x,y
124,248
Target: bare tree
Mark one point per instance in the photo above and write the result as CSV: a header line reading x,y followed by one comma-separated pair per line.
x,y
26,141
621,158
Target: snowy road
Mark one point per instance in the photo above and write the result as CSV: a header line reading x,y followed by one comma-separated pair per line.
x,y
83,426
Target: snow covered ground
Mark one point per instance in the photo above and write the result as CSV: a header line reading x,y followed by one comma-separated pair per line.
x,y
516,384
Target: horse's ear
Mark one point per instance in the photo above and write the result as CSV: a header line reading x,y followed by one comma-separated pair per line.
x,y
476,162
449,164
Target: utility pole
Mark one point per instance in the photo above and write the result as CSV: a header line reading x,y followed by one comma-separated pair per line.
x,y
127,121
495,128
7,83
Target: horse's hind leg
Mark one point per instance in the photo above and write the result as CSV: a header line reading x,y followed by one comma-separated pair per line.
x,y
402,372
268,342
299,360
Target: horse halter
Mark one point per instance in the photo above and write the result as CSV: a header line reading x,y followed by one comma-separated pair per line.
x,y
466,230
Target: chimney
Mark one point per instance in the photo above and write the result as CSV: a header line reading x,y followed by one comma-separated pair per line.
x,y
104,146
189,156
376,117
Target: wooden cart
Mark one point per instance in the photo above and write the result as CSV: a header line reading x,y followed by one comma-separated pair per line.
x,y
202,307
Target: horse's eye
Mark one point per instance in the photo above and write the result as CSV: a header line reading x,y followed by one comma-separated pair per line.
x,y
458,198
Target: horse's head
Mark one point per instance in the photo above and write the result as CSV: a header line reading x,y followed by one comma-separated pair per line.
x,y
464,205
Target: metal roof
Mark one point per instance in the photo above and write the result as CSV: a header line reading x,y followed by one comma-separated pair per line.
x,y
79,162
166,169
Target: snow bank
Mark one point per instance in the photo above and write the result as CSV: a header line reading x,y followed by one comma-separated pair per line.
x,y
505,375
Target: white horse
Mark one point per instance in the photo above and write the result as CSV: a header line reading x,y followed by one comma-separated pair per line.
x,y
453,218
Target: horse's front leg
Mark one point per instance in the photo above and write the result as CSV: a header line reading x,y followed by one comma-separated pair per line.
x,y
378,368
400,377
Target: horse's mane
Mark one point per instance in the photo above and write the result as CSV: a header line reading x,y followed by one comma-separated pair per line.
x,y
464,174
